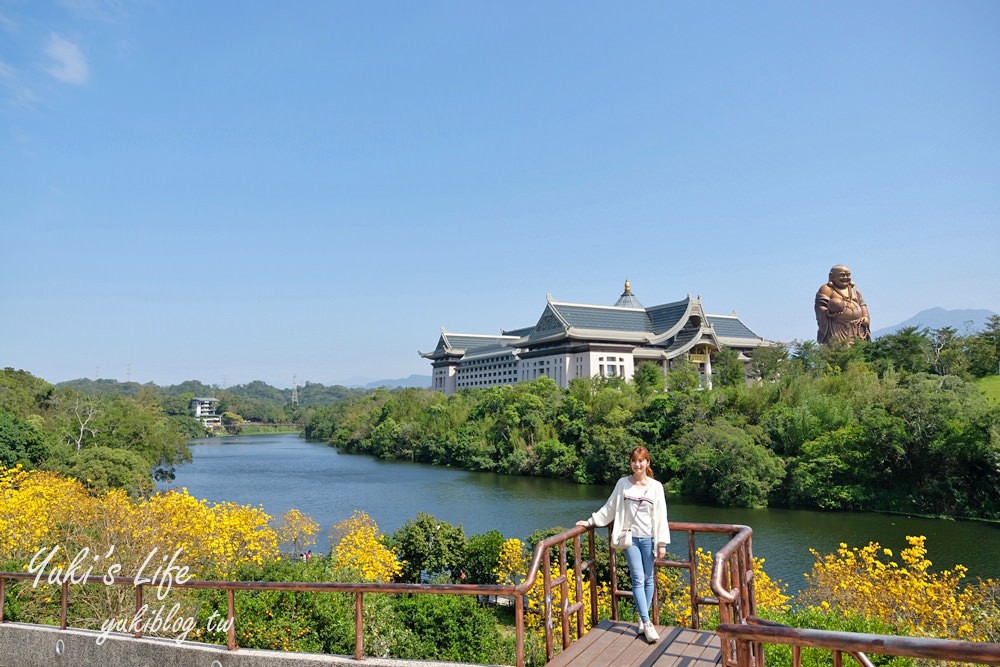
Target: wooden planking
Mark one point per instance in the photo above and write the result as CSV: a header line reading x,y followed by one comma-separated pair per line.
x,y
618,644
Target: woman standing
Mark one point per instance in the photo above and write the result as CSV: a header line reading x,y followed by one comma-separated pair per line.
x,y
638,502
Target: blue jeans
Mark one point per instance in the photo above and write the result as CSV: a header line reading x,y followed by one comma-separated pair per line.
x,y
640,558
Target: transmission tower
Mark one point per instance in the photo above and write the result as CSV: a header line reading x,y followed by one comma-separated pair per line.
x,y
295,391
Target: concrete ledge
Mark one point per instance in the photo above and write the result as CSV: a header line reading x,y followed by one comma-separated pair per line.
x,y
26,645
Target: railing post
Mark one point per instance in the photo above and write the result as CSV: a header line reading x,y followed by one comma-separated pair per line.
x,y
231,613
547,592
564,595
3,595
592,569
578,571
693,578
613,564
65,604
359,636
138,606
743,656
519,628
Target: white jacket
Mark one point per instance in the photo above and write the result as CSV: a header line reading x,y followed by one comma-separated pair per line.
x,y
614,510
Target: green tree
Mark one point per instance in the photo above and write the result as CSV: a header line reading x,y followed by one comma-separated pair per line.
x,y
103,468
991,336
231,421
767,363
22,394
683,376
723,465
946,356
430,546
727,369
453,628
905,350
649,380
21,442
480,559
806,355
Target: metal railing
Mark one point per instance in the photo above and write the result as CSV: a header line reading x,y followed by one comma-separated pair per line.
x,y
742,633
550,560
741,645
731,578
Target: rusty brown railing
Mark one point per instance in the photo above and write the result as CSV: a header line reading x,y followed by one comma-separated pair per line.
x,y
732,581
731,578
741,640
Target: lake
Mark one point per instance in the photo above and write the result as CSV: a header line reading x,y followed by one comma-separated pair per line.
x,y
282,471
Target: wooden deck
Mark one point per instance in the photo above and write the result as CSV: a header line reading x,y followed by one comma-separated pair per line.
x,y
616,644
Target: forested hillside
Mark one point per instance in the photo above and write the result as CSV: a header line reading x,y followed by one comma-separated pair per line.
x,y
896,425
124,434
106,440
255,401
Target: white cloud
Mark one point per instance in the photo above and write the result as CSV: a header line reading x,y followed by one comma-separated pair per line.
x,y
19,95
68,65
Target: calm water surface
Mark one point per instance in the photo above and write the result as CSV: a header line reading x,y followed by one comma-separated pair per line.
x,y
279,472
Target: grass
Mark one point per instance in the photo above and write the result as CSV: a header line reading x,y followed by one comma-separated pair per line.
x,y
259,429
990,386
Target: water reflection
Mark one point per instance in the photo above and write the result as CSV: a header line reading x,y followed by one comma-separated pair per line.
x,y
280,472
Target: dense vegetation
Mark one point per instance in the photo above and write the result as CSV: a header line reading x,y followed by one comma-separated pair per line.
x,y
125,435
108,440
869,589
894,425
256,401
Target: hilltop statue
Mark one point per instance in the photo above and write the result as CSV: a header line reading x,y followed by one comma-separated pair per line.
x,y
841,313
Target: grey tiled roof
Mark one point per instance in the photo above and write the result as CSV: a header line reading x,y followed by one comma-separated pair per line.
x,y
449,343
489,350
604,317
628,300
468,342
683,337
730,326
668,315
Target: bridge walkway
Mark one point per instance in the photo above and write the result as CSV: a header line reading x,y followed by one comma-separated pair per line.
x,y
616,643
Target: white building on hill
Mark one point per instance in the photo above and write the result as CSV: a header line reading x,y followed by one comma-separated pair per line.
x,y
576,340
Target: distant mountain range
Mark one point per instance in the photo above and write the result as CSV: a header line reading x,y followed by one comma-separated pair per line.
x,y
964,321
414,380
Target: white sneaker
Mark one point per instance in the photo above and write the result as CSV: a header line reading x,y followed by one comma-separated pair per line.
x,y
650,631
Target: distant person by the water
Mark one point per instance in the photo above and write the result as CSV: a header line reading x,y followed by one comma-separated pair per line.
x,y
638,503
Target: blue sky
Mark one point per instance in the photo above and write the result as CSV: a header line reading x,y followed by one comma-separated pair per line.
x,y
231,191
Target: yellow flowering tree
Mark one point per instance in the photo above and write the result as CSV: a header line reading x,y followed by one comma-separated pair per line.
x,y
675,602
512,563
36,508
359,548
51,520
298,530
511,569
903,592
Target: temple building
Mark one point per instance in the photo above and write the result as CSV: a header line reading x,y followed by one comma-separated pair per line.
x,y
577,340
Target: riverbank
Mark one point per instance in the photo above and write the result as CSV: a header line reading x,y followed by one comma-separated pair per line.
x,y
281,472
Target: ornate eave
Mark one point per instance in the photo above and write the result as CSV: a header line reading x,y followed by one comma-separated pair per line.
x,y
458,344
693,308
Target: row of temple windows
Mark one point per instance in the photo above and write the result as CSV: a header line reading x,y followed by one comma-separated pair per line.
x,y
492,382
478,364
464,374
